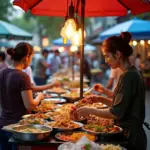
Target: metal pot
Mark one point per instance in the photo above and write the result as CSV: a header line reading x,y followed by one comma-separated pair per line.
x,y
28,136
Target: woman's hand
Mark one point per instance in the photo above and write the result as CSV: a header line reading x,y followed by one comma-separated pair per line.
x,y
99,88
40,95
83,112
91,99
55,83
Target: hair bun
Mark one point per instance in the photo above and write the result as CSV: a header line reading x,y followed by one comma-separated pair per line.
x,y
126,36
10,51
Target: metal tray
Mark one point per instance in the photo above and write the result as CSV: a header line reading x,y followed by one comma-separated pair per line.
x,y
56,100
31,137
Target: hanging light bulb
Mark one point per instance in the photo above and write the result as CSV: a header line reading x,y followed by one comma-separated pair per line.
x,y
142,42
62,33
70,24
134,43
73,48
68,29
76,39
80,31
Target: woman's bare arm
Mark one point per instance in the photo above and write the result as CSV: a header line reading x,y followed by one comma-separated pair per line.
x,y
28,100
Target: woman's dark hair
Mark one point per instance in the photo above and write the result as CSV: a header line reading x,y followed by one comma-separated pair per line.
x,y
119,43
21,50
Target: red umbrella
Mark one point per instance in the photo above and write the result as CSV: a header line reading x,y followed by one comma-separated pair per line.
x,y
93,8
88,8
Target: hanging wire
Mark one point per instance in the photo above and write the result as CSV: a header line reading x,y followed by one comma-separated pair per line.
x,y
77,6
67,10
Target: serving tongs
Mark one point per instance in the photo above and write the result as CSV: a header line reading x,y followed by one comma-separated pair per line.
x,y
88,91
9,128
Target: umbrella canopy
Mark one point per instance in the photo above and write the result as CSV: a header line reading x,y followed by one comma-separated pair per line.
x,y
5,44
59,42
89,47
140,29
92,8
11,31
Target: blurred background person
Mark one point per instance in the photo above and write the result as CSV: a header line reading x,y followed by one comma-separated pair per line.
x,y
138,62
40,66
55,62
114,78
2,60
49,57
39,88
86,66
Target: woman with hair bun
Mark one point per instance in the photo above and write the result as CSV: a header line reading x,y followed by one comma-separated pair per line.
x,y
127,107
16,98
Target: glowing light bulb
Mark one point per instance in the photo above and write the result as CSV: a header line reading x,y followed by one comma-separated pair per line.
x,y
130,43
76,39
61,49
134,43
80,31
73,48
148,41
68,29
37,48
142,42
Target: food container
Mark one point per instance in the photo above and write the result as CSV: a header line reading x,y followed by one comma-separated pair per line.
x,y
71,99
104,133
29,136
58,136
66,129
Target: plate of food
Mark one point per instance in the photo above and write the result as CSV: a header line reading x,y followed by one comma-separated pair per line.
x,y
55,100
71,96
65,125
74,136
57,90
102,130
37,115
45,106
111,147
32,121
84,102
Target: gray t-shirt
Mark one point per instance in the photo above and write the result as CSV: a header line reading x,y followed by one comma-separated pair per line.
x,y
39,68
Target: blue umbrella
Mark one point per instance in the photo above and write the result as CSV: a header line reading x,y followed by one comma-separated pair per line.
x,y
8,30
59,42
140,29
5,44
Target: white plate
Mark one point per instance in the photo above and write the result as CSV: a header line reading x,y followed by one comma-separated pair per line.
x,y
26,116
68,129
102,133
54,95
55,100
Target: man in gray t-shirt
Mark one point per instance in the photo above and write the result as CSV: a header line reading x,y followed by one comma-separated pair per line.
x,y
40,66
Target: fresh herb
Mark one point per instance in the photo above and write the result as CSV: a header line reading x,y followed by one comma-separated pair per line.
x,y
96,127
87,147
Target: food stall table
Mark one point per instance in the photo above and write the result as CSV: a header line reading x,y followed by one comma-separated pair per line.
x,y
52,143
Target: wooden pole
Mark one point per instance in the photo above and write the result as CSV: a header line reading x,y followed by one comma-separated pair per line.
x,y
82,48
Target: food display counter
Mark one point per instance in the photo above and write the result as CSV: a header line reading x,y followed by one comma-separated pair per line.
x,y
57,115
51,143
